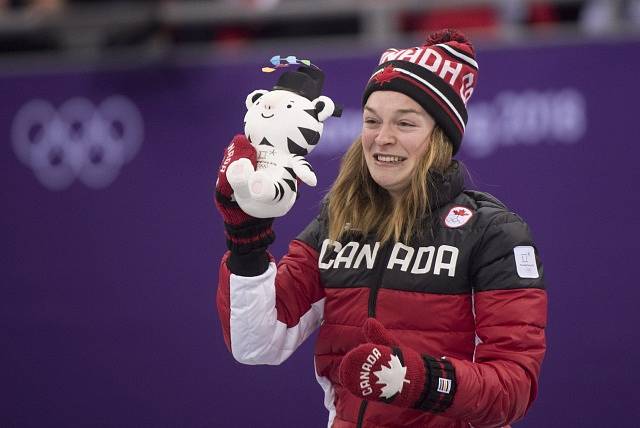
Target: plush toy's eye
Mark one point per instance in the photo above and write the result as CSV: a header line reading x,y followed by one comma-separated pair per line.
x,y
288,105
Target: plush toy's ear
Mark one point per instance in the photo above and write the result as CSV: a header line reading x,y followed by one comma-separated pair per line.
x,y
324,106
253,97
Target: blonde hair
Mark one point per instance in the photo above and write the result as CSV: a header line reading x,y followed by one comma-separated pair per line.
x,y
357,202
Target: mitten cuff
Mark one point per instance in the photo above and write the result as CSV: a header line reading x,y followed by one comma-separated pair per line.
x,y
250,236
440,385
251,264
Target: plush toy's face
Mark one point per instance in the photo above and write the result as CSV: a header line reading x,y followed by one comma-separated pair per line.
x,y
285,120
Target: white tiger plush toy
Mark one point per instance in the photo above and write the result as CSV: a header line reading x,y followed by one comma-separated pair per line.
x,y
283,125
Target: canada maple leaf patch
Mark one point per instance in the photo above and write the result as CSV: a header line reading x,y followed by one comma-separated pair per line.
x,y
458,216
386,75
392,377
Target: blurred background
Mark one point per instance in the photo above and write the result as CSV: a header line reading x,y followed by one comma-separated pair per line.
x,y
113,119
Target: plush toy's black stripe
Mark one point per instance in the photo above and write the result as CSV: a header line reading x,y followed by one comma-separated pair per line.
x,y
290,171
294,148
281,191
311,137
291,183
265,142
313,114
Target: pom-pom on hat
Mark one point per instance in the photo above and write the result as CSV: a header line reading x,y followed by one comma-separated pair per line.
x,y
440,75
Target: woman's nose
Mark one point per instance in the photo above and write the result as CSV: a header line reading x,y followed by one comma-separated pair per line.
x,y
385,136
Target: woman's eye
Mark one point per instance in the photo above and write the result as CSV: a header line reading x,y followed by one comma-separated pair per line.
x,y
406,124
369,121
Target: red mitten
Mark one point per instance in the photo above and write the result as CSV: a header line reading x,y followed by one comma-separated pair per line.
x,y
244,232
383,370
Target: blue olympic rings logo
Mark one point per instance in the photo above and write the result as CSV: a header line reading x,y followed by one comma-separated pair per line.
x,y
77,140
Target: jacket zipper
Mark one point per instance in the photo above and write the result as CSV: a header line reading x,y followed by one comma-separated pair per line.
x,y
371,311
380,269
363,408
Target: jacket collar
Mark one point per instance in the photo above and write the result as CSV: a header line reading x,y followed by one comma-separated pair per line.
x,y
444,187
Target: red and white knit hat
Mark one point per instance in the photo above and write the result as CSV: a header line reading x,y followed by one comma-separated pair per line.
x,y
440,75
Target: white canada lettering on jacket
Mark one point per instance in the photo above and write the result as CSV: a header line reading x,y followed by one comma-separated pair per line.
x,y
418,260
365,385
429,58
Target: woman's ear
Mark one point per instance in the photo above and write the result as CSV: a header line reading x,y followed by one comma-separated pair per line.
x,y
324,106
253,97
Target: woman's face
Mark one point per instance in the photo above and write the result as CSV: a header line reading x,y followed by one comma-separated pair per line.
x,y
395,133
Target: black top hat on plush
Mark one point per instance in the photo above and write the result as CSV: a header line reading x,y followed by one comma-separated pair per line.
x,y
305,81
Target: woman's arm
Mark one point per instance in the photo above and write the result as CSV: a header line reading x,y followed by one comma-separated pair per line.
x,y
510,305
266,311
267,316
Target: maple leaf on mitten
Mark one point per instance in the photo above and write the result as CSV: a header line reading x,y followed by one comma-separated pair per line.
x,y
385,371
379,372
392,377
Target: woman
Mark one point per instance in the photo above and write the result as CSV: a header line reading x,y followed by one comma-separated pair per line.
x,y
429,297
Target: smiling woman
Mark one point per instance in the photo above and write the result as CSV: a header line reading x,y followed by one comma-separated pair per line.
x,y
429,297
400,144
394,138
